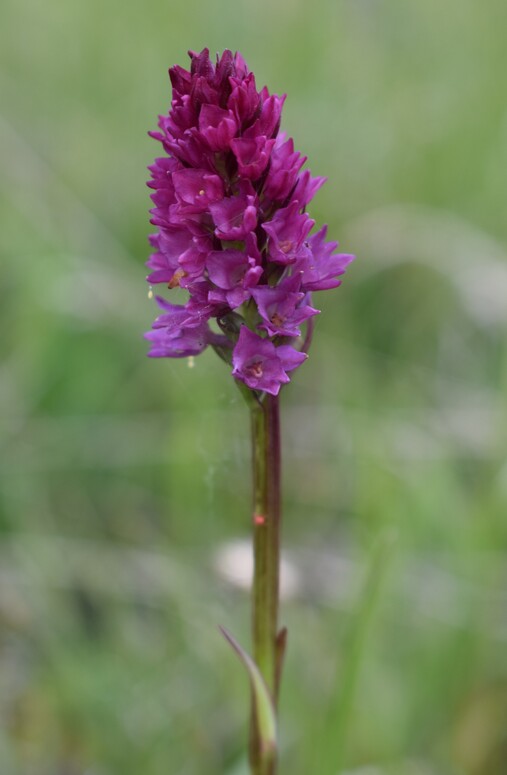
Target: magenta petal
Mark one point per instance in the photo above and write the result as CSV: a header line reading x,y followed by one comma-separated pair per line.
x,y
244,99
227,268
235,216
261,365
283,170
252,155
320,270
197,189
217,126
177,342
282,307
290,358
306,188
268,122
287,232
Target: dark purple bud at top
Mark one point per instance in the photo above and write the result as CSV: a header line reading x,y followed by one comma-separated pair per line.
x,y
244,100
181,80
201,64
223,72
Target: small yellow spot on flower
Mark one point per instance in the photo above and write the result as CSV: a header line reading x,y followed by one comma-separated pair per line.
x,y
175,279
201,192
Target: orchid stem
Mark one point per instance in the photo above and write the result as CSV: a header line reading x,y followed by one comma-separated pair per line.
x,y
267,645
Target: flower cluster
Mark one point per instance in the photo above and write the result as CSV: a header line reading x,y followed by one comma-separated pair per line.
x,y
232,229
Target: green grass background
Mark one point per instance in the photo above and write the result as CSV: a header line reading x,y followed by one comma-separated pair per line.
x,y
121,477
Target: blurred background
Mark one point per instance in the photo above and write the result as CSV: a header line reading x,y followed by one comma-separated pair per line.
x,y
125,485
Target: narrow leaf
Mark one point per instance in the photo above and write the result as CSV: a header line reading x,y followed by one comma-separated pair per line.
x,y
264,707
334,726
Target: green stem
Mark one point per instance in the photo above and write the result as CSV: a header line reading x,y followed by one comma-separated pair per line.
x,y
268,644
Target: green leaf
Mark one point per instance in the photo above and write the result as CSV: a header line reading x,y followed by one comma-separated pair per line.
x,y
264,708
330,747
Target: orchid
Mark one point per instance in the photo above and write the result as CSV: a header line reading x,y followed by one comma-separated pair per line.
x,y
230,211
232,230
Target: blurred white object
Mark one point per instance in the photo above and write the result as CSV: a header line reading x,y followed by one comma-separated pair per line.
x,y
233,561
